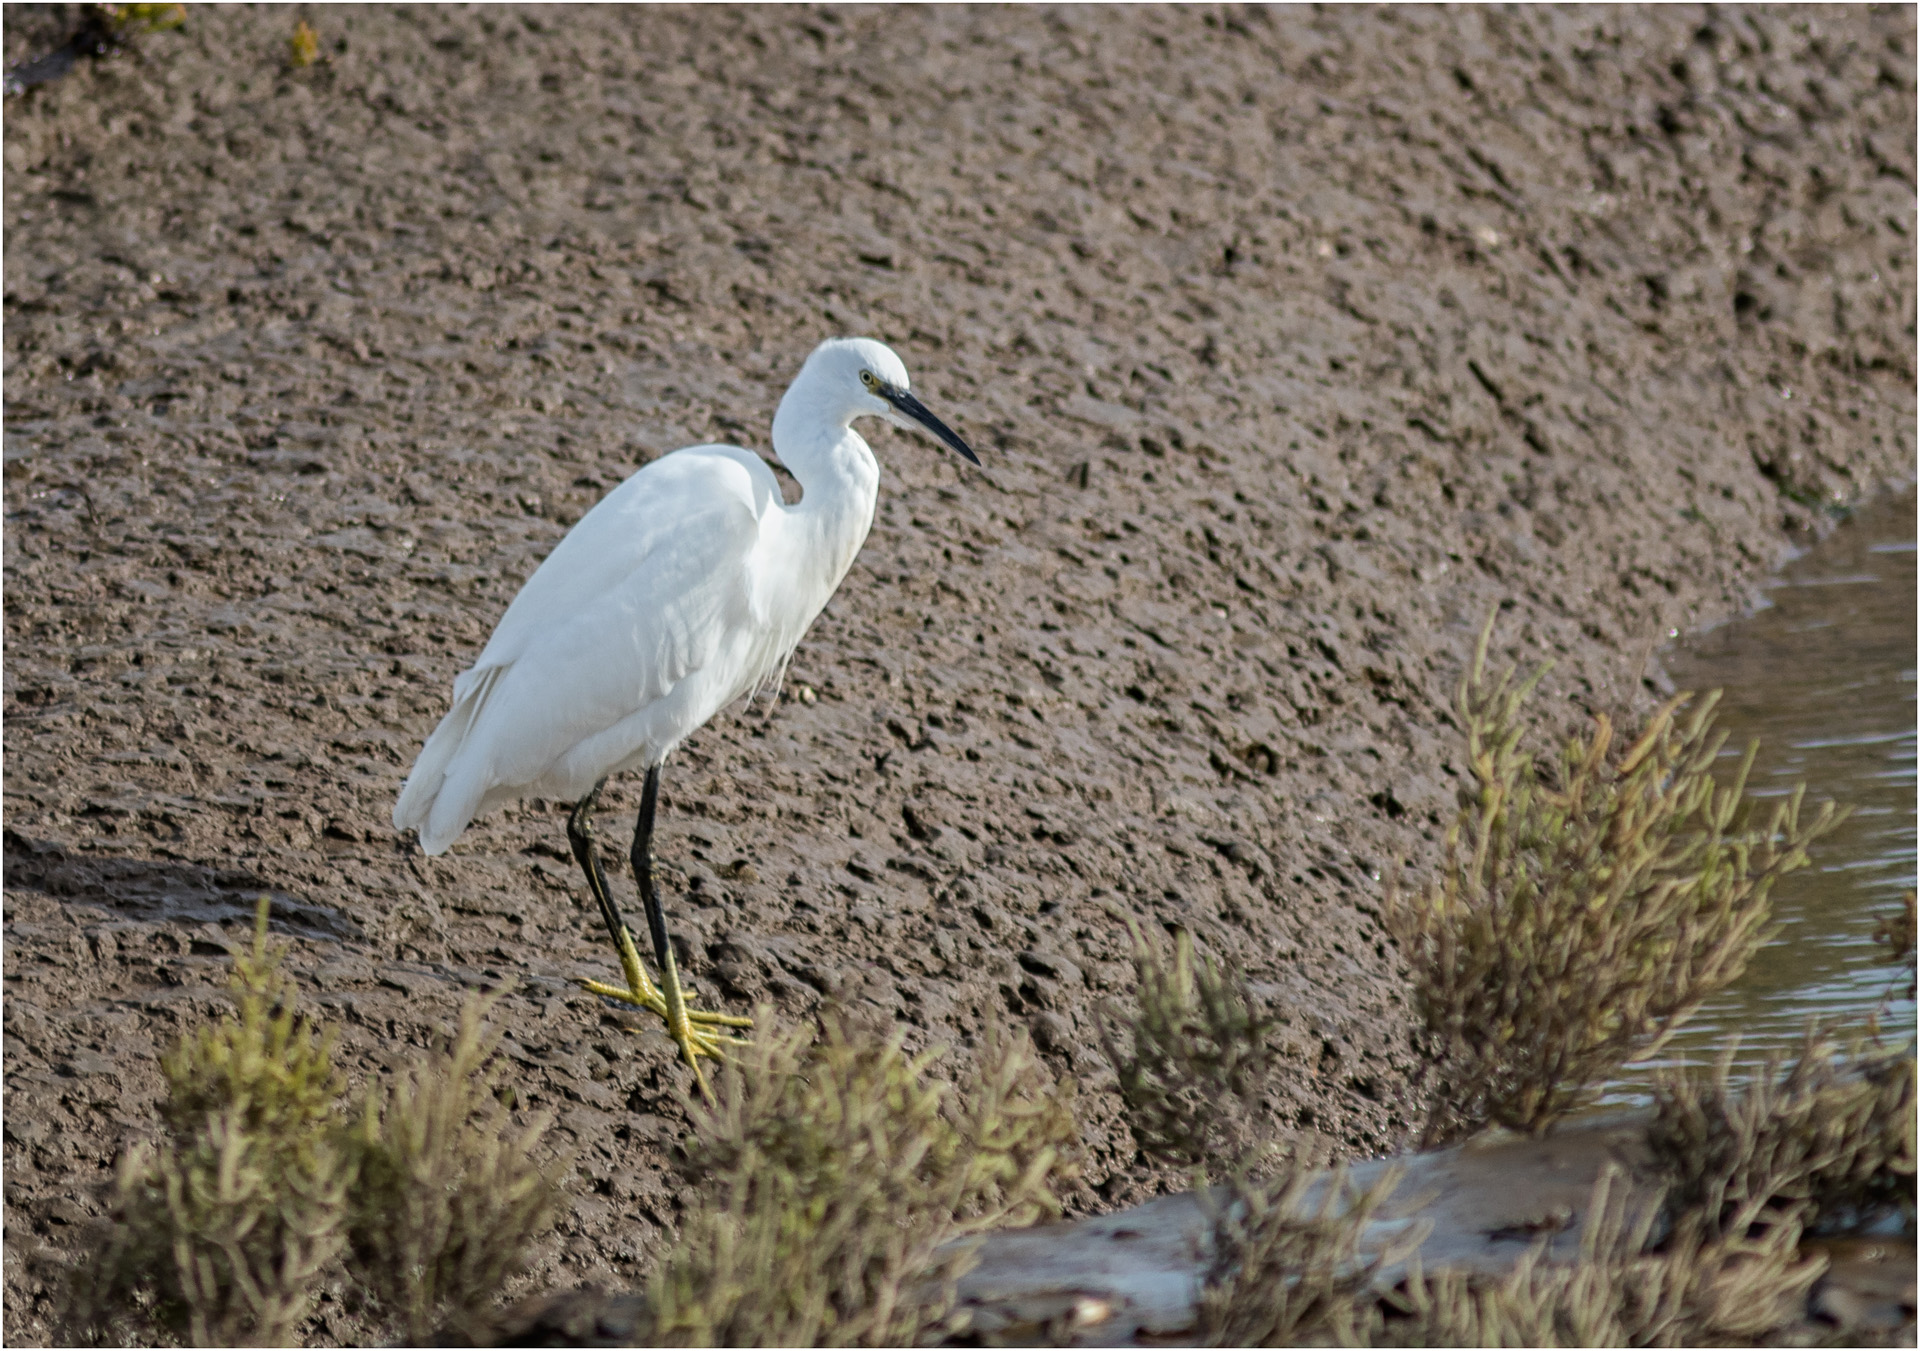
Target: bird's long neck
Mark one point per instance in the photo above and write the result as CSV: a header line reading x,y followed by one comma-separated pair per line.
x,y
839,478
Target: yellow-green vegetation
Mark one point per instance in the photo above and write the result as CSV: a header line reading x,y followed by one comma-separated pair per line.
x,y
1695,1290
1826,1138
1191,1054
842,1182
130,21
1706,1251
303,48
447,1190
1287,1264
223,1230
1584,909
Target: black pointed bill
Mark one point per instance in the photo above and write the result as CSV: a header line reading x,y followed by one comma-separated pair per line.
x,y
911,407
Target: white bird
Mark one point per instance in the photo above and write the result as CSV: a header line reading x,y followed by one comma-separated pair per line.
x,y
681,591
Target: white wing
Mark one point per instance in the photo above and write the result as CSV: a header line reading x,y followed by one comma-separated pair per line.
x,y
644,597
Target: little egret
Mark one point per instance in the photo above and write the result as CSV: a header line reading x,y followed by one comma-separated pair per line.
x,y
684,589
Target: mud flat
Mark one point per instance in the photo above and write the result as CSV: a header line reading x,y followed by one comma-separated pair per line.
x,y
1294,343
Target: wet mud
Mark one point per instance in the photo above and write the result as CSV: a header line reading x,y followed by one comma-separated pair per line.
x,y
1294,343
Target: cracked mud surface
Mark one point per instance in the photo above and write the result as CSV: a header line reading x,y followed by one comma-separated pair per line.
x,y
1293,343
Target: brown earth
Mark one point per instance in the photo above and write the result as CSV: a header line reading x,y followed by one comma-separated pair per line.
x,y
1293,342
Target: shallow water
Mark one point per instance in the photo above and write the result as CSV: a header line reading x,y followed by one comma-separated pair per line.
x,y
1823,677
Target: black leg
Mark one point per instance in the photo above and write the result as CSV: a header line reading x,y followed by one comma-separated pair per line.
x,y
642,857
580,835
696,1033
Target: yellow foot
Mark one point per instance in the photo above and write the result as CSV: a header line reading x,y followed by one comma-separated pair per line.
x,y
695,1031
651,1000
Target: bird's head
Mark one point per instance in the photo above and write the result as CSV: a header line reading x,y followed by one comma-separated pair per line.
x,y
872,381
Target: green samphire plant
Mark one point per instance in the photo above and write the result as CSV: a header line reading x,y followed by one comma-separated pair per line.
x,y
842,1183
223,1226
1191,1053
1584,908
262,1184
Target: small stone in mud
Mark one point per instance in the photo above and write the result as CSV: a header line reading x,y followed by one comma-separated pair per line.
x,y
1052,1033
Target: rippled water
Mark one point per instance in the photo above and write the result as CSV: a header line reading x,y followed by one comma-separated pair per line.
x,y
1823,677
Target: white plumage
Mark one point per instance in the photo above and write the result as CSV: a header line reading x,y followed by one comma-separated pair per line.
x,y
653,614
682,590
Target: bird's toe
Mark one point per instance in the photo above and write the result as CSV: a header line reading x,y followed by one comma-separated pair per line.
x,y
645,998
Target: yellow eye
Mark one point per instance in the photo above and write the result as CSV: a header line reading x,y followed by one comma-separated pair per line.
x,y
869,379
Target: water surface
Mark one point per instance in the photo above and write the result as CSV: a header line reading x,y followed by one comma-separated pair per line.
x,y
1823,677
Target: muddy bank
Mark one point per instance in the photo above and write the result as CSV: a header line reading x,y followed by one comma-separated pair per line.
x,y
1293,343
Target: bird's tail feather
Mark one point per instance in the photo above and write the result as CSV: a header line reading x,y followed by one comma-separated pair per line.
x,y
420,805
